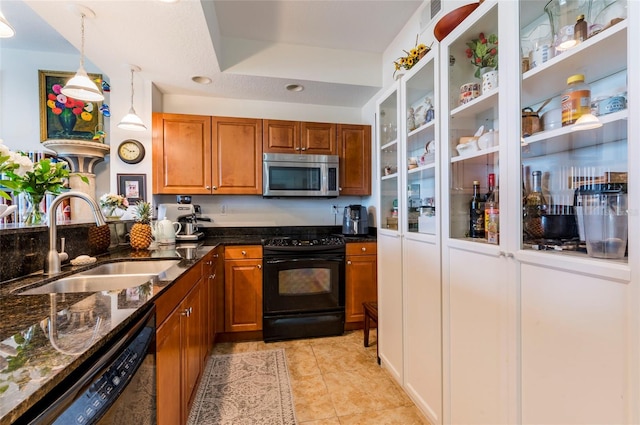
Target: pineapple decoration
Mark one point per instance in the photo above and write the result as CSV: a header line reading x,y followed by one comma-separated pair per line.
x,y
140,234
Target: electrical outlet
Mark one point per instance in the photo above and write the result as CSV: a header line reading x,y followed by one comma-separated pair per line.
x,y
223,209
335,209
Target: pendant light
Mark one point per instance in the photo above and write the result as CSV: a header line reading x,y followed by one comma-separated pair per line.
x,y
6,30
132,121
80,86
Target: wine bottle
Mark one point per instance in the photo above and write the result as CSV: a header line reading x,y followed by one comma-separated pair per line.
x,y
491,181
476,213
492,214
535,202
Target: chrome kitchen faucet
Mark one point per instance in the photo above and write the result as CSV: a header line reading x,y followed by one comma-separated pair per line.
x,y
52,262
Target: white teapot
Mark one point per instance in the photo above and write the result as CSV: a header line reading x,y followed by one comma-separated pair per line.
x,y
164,231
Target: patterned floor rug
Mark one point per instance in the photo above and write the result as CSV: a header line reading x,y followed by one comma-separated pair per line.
x,y
244,389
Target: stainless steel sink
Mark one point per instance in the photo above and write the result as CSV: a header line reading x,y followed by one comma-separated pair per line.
x,y
76,283
106,277
130,268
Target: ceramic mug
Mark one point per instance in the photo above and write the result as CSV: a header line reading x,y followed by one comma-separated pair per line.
x,y
468,92
540,55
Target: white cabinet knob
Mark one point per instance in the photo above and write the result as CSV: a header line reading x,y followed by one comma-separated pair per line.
x,y
364,249
244,252
349,262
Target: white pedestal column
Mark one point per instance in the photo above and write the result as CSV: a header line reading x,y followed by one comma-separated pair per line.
x,y
82,157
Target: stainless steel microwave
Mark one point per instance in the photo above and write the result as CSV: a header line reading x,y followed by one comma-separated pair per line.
x,y
300,175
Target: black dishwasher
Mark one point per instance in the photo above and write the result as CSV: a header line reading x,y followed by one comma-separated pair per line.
x,y
115,386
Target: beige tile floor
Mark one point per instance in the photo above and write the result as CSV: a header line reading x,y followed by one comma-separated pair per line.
x,y
337,381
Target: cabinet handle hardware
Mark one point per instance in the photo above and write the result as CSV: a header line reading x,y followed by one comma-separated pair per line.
x,y
510,255
349,262
259,266
215,255
304,149
208,187
297,149
364,249
209,263
215,187
212,276
244,252
186,312
339,189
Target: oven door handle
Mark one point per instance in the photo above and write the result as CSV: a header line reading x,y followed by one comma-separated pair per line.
x,y
296,260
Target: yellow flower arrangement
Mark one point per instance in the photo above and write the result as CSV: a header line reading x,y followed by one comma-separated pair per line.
x,y
412,58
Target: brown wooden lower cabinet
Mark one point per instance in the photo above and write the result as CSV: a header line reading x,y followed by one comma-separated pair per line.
x,y
360,279
180,343
169,371
213,276
243,288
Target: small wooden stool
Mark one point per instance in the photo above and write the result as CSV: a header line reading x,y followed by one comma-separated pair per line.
x,y
370,313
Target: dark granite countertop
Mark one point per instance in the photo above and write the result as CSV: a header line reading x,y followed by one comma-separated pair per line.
x,y
31,364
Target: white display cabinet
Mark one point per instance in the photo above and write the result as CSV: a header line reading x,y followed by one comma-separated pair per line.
x,y
409,282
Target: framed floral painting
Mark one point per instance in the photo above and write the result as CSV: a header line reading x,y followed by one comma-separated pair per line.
x,y
62,117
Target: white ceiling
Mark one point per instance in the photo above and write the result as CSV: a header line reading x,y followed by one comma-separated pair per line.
x,y
250,49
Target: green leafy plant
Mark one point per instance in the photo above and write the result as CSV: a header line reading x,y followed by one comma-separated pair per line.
x,y
46,177
483,52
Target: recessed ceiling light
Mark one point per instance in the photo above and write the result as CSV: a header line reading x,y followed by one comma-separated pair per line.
x,y
201,79
294,87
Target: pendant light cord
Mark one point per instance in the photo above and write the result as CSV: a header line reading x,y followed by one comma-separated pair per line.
x,y
82,40
131,88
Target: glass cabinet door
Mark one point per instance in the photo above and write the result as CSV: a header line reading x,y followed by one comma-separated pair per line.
x,y
388,160
421,104
574,171
470,129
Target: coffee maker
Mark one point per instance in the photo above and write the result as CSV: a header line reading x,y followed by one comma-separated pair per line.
x,y
355,220
185,214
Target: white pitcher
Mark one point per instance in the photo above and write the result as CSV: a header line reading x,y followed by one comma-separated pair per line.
x,y
165,231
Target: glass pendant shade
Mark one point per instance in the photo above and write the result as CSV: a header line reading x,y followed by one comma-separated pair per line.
x,y
80,87
6,30
132,122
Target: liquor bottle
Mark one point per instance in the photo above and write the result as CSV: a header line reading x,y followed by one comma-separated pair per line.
x,y
492,215
580,30
491,182
476,213
534,204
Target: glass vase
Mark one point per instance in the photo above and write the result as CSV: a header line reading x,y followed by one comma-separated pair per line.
x,y
112,213
35,215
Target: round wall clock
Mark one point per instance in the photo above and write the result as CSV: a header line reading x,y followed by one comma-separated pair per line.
x,y
131,151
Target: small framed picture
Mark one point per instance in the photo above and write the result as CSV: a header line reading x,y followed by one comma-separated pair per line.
x,y
133,187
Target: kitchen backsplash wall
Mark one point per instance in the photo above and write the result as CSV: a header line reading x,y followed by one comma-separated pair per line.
x,y
23,250
236,211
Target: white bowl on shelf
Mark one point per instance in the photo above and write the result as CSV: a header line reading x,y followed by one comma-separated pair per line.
x,y
552,119
467,148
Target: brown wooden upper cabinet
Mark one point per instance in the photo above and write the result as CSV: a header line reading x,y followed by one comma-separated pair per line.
x,y
355,159
195,154
181,154
299,137
237,156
